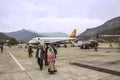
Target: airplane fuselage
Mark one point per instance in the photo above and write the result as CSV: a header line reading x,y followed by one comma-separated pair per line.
x,y
43,40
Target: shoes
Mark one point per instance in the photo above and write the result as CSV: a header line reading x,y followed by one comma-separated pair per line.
x,y
41,68
49,70
55,70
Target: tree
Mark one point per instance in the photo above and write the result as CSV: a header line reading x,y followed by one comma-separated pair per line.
x,y
13,41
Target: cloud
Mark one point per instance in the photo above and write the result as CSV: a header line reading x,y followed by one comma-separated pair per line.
x,y
64,24
56,15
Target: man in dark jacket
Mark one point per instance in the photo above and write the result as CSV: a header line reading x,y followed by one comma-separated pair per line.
x,y
40,55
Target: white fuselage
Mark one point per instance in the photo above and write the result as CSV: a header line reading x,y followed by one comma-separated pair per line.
x,y
43,40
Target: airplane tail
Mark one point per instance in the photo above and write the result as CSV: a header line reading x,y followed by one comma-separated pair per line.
x,y
73,34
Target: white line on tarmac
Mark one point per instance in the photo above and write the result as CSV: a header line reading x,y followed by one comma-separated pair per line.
x,y
18,63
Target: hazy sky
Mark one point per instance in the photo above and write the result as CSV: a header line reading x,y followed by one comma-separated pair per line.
x,y
56,15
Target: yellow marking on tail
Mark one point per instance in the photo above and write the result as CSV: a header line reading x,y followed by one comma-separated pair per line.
x,y
73,34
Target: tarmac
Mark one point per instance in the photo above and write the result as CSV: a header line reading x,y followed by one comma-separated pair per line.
x,y
72,63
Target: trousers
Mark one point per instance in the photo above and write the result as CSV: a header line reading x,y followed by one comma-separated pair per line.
x,y
40,62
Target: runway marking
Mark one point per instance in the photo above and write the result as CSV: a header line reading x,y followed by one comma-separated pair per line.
x,y
18,63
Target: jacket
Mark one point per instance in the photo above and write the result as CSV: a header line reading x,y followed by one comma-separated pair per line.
x,y
41,53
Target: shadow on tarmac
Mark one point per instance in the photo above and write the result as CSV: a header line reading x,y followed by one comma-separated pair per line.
x,y
116,73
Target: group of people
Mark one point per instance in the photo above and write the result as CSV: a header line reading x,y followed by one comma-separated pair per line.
x,y
46,53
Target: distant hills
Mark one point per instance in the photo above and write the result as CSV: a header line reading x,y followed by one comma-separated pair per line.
x,y
22,35
4,37
54,34
110,27
26,35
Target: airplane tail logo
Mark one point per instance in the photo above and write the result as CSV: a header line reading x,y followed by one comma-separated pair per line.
x,y
73,34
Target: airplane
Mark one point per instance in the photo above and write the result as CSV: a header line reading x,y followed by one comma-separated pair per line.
x,y
54,40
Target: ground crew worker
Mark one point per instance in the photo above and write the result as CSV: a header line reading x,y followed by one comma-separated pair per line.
x,y
1,47
30,51
96,46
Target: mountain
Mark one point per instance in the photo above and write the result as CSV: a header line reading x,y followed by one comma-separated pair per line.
x,y
4,37
26,35
112,31
55,34
110,26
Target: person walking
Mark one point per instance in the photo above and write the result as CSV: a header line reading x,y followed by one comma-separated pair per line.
x,y
40,55
96,46
51,59
55,50
45,55
30,51
1,47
